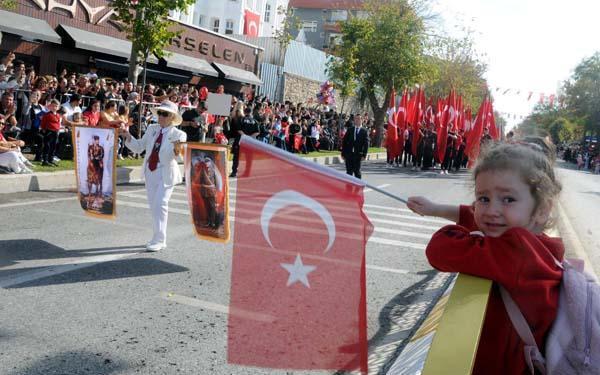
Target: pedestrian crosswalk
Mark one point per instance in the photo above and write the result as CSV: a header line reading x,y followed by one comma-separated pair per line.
x,y
393,227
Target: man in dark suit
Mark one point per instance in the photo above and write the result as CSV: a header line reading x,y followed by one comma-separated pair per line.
x,y
355,146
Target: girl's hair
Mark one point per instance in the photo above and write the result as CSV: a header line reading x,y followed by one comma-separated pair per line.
x,y
110,104
532,161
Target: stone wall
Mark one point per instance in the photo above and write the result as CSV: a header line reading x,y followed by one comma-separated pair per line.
x,y
300,90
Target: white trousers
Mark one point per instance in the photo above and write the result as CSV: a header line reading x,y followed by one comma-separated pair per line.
x,y
158,198
12,160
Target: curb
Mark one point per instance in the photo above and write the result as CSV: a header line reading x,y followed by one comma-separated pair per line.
x,y
62,180
573,246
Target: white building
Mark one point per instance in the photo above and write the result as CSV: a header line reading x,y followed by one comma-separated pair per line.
x,y
227,16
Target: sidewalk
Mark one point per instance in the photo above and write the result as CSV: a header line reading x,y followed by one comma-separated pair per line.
x,y
64,180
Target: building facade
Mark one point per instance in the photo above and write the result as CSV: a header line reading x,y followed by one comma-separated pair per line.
x,y
319,19
236,16
53,36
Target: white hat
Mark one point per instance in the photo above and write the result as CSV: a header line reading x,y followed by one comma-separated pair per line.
x,y
168,106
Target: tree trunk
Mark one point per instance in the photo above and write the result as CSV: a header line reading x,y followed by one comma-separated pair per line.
x,y
379,113
133,65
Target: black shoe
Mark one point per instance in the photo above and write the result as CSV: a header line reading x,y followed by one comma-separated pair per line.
x,y
233,175
54,164
46,164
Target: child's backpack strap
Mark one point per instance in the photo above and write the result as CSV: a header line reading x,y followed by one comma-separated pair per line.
x,y
533,356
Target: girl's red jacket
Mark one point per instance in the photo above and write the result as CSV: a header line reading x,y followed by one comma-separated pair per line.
x,y
519,260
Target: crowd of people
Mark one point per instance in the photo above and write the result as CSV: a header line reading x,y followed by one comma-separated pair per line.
x,y
37,114
585,156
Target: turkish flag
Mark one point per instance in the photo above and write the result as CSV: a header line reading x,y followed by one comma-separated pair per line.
x,y
391,137
298,293
251,23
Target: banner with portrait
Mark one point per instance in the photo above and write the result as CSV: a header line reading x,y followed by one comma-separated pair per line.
x,y
95,154
208,190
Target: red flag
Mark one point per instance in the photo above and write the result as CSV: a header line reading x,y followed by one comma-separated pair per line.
x,y
251,23
474,136
416,118
391,137
401,121
298,286
448,119
551,100
491,122
542,98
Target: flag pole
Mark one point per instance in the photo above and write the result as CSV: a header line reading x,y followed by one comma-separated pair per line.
x,y
374,188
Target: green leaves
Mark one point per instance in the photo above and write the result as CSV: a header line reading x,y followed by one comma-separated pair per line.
x,y
147,24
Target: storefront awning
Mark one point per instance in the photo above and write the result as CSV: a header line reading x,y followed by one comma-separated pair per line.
x,y
97,42
27,27
236,74
155,74
190,64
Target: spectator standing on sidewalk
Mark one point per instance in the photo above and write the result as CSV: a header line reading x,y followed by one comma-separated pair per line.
x,y
50,125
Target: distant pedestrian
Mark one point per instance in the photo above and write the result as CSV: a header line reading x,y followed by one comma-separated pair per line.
x,y
355,146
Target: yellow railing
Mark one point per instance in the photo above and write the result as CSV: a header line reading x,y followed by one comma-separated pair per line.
x,y
455,343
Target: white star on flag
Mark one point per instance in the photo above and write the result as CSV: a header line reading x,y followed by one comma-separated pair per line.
x,y
298,272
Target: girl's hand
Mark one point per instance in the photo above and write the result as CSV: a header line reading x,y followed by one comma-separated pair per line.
x,y
422,206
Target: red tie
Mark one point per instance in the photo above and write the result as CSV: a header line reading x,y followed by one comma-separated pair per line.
x,y
153,160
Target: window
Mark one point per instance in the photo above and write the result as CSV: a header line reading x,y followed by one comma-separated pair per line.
x,y
309,26
215,25
229,27
200,20
338,15
268,13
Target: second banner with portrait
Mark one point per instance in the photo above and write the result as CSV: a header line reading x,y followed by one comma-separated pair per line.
x,y
208,190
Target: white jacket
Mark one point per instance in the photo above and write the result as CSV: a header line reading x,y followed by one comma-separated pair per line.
x,y
167,159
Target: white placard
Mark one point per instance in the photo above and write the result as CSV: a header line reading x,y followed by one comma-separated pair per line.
x,y
218,104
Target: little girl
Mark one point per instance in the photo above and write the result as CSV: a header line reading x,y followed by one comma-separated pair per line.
x,y
499,237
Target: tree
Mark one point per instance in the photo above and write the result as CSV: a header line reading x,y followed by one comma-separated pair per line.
x,y
148,27
456,65
583,93
384,50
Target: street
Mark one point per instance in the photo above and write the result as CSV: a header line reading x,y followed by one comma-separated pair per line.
x,y
81,296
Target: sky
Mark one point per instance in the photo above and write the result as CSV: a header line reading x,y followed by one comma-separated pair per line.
x,y
529,45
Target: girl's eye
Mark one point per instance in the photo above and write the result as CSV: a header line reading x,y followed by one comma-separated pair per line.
x,y
508,200
483,199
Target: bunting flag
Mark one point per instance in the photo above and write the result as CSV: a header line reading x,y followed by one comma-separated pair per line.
x,y
298,280
551,100
391,138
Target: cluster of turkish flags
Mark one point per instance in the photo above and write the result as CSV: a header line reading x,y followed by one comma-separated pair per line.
x,y
448,114
298,284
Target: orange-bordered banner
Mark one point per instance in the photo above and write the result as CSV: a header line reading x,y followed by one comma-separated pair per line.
x,y
208,190
95,168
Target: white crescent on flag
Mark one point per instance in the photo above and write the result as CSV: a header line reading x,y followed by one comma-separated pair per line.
x,y
252,28
287,198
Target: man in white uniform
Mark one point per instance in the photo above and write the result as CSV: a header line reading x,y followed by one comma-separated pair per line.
x,y
162,144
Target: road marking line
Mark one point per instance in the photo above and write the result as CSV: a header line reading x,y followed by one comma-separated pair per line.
x,y
386,269
60,269
30,203
194,302
379,187
408,217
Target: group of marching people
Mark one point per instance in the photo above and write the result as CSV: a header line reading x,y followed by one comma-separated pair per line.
x,y
446,138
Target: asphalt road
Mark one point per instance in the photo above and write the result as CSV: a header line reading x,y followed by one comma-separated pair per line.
x,y
580,199
80,296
